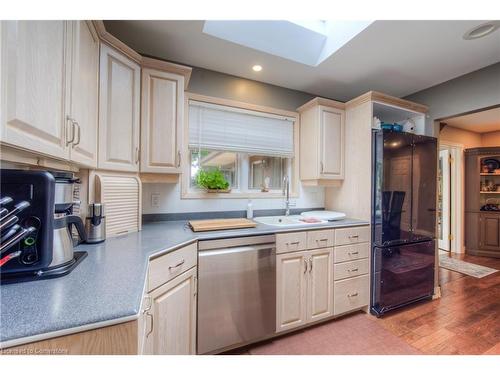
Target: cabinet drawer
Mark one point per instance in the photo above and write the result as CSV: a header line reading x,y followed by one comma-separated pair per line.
x,y
346,236
168,266
287,242
351,252
320,238
351,294
350,269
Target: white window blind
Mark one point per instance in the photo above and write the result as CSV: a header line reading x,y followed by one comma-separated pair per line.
x,y
217,127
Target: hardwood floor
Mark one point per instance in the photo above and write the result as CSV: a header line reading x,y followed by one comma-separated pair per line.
x,y
466,320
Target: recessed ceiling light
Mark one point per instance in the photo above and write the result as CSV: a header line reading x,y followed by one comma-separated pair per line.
x,y
482,30
257,68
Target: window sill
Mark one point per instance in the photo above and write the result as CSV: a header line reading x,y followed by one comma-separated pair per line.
x,y
235,195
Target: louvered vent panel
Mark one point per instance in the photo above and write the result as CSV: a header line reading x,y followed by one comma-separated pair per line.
x,y
121,195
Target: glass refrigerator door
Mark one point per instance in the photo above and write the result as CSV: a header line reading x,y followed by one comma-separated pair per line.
x,y
395,187
424,188
402,274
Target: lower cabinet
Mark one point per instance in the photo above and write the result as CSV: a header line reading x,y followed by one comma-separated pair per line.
x,y
304,287
168,321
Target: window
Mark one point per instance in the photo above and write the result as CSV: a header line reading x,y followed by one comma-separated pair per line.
x,y
253,150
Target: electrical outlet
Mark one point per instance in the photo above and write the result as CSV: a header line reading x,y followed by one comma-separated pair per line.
x,y
155,200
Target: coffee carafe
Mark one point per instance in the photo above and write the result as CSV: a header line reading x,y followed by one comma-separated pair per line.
x,y
65,220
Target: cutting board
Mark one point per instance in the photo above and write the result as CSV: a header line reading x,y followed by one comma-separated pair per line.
x,y
220,224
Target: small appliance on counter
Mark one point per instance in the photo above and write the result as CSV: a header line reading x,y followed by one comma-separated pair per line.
x,y
35,224
95,223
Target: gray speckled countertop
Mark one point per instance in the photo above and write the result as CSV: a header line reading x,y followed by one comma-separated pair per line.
x,y
107,286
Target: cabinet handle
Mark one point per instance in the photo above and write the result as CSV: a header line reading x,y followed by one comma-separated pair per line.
x,y
177,265
353,295
354,270
148,298
69,141
321,167
195,286
137,155
322,240
293,243
179,159
310,265
152,324
354,236
305,265
354,253
79,133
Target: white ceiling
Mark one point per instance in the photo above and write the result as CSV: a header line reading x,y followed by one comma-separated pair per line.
x,y
395,57
479,122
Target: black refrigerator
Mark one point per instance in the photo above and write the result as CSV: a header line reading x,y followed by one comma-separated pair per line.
x,y
404,181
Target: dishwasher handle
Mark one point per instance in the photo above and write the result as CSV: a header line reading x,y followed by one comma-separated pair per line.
x,y
237,249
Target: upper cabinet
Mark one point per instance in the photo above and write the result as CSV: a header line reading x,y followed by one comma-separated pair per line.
x,y
119,111
50,77
34,78
322,138
83,113
161,120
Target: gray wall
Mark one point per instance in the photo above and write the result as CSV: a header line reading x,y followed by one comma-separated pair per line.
x,y
467,93
220,85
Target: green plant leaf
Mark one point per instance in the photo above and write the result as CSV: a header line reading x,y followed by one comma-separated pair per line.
x,y
211,179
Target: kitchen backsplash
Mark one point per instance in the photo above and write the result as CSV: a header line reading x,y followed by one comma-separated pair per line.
x,y
169,201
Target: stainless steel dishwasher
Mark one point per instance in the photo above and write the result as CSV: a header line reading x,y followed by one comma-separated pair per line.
x,y
236,291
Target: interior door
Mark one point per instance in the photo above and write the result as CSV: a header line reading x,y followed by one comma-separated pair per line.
x,y
332,143
84,93
33,82
444,194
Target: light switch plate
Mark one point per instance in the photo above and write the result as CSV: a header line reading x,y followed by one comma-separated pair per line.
x,y
155,200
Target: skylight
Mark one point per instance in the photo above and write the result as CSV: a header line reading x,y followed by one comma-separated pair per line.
x,y
308,42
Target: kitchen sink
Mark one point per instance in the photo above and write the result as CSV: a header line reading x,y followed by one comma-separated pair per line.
x,y
284,221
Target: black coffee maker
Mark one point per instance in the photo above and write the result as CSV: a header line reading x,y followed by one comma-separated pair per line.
x,y
36,224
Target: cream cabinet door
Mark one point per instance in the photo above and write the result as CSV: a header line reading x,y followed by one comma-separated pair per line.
x,y
34,57
320,284
291,289
172,325
119,106
83,115
162,119
332,123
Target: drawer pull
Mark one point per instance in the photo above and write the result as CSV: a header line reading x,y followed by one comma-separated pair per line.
x,y
352,295
321,239
354,253
354,236
293,243
177,265
354,270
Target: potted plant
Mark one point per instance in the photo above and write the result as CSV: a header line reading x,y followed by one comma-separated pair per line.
x,y
213,181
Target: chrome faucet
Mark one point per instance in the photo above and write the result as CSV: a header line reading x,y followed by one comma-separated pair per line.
x,y
286,193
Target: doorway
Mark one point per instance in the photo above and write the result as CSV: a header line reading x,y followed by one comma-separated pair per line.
x,y
444,199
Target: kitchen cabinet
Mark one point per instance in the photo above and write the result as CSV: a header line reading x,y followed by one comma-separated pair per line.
x,y
119,111
304,287
291,291
83,114
34,80
162,99
52,88
320,284
169,317
322,135
489,238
